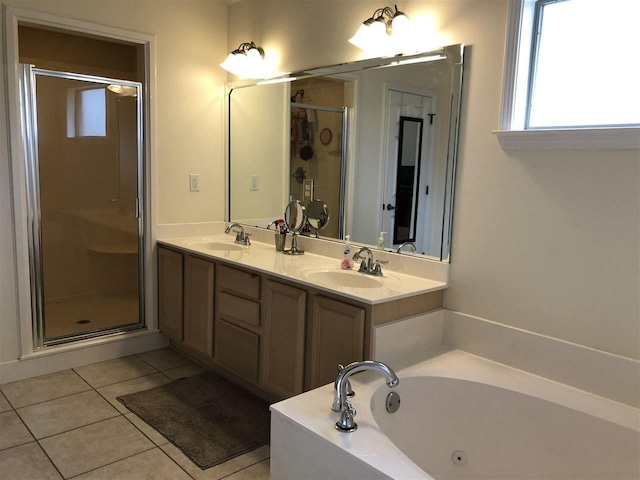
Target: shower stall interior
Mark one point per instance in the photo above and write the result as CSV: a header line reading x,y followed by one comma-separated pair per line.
x,y
82,138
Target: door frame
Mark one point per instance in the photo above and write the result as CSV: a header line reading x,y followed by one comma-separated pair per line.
x,y
12,17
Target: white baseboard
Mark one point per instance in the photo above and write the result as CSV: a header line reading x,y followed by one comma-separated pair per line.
x,y
594,371
64,357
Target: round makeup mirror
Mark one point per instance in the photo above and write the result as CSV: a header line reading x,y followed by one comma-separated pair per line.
x,y
295,218
317,215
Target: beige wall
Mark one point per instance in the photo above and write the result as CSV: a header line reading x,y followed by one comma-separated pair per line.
x,y
190,43
542,240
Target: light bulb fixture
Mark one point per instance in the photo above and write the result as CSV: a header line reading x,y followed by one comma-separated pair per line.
x,y
246,61
387,31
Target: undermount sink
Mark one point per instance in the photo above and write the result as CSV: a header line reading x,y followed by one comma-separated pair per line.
x,y
343,278
219,246
212,245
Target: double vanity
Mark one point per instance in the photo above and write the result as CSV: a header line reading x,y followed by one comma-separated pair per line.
x,y
278,324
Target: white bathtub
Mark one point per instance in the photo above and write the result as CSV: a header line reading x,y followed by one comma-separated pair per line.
x,y
460,416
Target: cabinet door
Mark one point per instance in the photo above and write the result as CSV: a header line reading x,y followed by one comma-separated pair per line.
x,y
238,350
337,336
283,339
198,304
170,293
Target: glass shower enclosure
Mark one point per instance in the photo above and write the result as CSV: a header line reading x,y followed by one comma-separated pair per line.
x,y
82,138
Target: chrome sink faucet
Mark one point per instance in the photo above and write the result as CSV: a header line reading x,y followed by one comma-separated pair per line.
x,y
367,266
242,238
340,399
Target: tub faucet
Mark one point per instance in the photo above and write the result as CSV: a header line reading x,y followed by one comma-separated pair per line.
x,y
340,400
242,238
412,247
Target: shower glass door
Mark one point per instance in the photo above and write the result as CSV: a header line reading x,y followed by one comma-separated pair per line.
x,y
83,150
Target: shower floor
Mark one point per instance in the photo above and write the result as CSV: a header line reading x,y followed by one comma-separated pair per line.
x,y
78,315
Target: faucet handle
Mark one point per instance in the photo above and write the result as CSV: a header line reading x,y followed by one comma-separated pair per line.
x,y
346,423
246,240
377,270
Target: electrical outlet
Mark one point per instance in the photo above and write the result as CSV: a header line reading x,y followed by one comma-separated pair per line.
x,y
194,182
254,183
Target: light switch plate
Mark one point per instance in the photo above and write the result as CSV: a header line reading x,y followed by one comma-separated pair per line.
x,y
253,183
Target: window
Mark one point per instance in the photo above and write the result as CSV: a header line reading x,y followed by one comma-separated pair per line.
x,y
86,112
572,64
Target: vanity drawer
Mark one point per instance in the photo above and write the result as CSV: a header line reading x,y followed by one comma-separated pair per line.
x,y
237,281
237,350
236,309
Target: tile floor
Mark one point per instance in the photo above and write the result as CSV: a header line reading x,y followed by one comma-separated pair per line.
x,y
70,425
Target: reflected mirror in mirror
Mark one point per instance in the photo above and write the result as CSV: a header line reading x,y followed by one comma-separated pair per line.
x,y
405,212
334,133
317,214
294,216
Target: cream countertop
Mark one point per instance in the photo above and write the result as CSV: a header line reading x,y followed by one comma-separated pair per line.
x,y
303,269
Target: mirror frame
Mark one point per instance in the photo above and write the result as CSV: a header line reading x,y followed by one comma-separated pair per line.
x,y
457,56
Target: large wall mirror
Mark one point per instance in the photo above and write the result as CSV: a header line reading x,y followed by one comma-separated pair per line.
x,y
374,141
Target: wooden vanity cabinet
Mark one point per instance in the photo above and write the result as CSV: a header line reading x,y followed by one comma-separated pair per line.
x,y
170,293
237,322
185,299
337,336
198,304
272,336
284,339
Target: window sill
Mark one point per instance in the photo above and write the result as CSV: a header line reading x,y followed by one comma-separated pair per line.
x,y
623,138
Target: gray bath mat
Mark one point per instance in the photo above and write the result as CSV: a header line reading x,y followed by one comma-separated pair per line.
x,y
210,419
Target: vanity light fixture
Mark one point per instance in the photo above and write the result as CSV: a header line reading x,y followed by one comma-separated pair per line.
x,y
246,61
385,32
123,90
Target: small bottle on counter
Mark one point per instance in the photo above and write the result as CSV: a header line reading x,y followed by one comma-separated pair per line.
x,y
347,261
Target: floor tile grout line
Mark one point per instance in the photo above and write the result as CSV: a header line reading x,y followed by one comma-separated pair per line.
x,y
19,445
127,380
159,446
118,414
115,461
56,398
89,387
140,430
175,462
248,466
49,458
8,401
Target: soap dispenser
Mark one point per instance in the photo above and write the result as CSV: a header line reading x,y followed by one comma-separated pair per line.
x,y
347,261
381,240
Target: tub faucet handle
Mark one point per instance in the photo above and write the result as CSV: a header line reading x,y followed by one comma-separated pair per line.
x,y
346,423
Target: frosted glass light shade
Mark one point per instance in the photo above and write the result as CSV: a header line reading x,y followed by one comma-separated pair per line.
x,y
246,65
372,37
362,37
